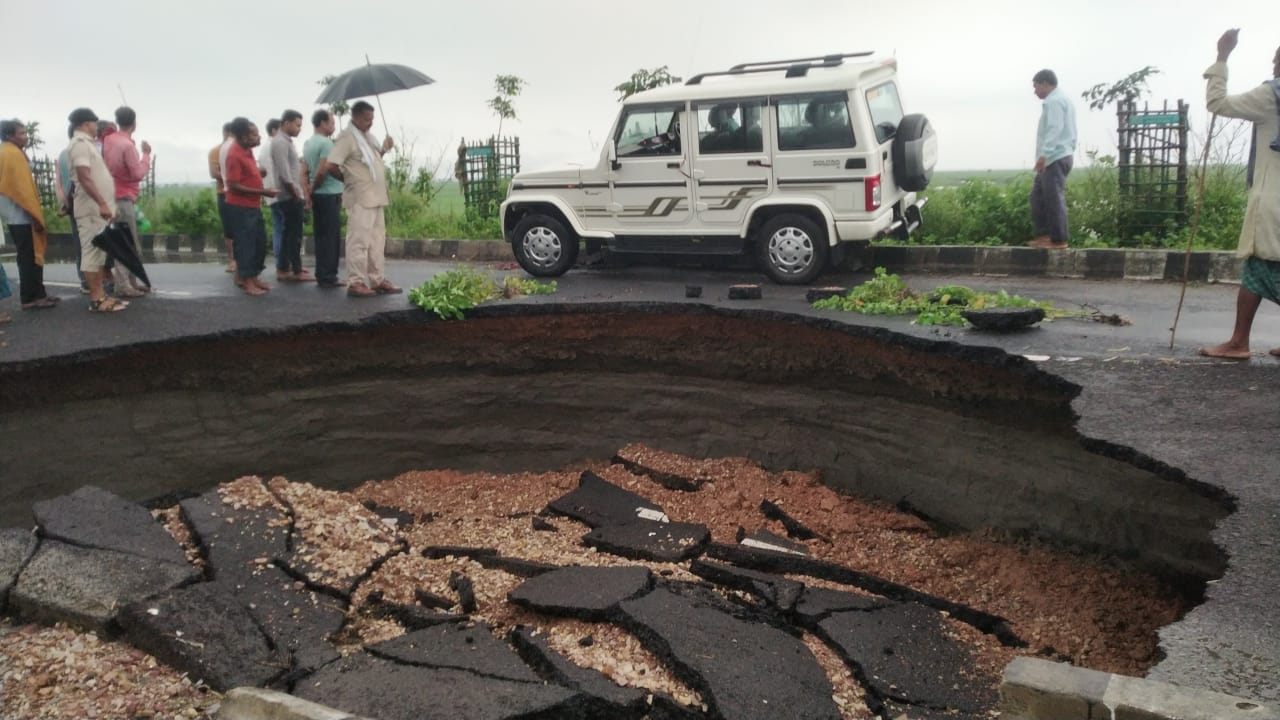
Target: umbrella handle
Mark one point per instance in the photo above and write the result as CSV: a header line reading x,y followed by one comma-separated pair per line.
x,y
378,98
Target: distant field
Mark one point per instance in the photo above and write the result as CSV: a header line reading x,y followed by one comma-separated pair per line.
x,y
951,178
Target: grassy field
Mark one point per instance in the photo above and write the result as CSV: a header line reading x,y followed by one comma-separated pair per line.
x,y
952,178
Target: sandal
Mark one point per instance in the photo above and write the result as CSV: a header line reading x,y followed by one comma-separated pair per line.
x,y
106,304
43,303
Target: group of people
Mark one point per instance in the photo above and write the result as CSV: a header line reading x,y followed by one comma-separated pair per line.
x,y
98,178
326,175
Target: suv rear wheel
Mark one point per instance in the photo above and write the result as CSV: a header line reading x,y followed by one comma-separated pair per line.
x,y
543,246
791,249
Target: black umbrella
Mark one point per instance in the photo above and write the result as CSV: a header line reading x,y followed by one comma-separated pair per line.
x,y
370,79
116,240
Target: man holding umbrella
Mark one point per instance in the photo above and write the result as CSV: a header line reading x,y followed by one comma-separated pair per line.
x,y
356,160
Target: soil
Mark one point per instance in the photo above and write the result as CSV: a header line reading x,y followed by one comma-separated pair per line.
x,y
1091,611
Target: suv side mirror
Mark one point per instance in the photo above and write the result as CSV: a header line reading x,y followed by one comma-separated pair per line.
x,y
611,151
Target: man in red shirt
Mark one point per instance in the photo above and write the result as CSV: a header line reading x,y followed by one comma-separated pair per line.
x,y
243,182
128,170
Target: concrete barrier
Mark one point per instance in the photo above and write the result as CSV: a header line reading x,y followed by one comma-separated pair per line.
x,y
1087,263
1035,689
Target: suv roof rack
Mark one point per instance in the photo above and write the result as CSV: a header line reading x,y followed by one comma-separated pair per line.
x,y
797,67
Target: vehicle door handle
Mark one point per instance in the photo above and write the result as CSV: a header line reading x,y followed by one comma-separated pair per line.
x,y
674,165
759,163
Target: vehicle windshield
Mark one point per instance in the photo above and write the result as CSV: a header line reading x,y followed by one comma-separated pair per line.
x,y
649,131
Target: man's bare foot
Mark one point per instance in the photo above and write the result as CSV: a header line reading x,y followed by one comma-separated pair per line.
x,y
260,284
231,267
250,288
304,276
1226,351
285,277
1274,352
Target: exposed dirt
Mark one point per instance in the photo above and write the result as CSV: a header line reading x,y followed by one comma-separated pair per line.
x,y
1094,612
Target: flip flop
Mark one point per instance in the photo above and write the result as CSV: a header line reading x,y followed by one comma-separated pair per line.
x,y
107,304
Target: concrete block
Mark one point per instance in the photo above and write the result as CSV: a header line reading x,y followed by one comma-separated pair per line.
x,y
1138,699
1144,264
1103,263
956,258
395,247
1225,267
992,260
890,257
1027,261
1197,270
1034,689
247,703
1064,263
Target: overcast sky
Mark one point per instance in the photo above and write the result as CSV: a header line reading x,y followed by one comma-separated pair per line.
x,y
187,66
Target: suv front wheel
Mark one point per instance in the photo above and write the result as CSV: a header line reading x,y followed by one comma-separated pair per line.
x,y
791,249
543,246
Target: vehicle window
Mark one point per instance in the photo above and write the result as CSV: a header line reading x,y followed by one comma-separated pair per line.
x,y
886,110
649,131
812,122
731,126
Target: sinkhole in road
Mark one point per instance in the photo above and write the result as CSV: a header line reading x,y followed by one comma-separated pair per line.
x,y
968,438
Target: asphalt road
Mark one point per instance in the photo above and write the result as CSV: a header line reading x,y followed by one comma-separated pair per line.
x,y
1217,420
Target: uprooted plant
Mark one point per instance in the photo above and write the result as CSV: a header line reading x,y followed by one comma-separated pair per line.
x,y
888,294
449,293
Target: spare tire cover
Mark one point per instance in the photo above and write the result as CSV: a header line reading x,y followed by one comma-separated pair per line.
x,y
915,152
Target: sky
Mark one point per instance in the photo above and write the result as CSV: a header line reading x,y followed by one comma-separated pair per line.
x,y
188,66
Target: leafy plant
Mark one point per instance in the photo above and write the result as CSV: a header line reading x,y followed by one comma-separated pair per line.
x,y
887,294
449,293
643,79
1126,89
508,87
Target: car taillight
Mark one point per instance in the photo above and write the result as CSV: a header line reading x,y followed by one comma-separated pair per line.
x,y
872,185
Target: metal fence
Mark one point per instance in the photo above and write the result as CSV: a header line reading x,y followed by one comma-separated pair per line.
x,y
483,170
1152,170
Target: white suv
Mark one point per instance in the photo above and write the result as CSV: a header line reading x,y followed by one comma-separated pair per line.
x,y
793,159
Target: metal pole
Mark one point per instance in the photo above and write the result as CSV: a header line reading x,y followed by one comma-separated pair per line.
x,y
378,98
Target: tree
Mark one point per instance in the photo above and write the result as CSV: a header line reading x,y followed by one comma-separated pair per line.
x,y
643,79
508,87
1126,89
33,136
339,108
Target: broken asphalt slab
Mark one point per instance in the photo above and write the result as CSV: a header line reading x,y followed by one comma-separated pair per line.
x,y
86,587
204,631
616,701
362,684
235,542
648,540
777,590
587,593
94,518
16,548
596,502
904,654
743,670
460,646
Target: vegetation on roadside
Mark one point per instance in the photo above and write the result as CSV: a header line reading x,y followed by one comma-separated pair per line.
x,y
887,294
449,293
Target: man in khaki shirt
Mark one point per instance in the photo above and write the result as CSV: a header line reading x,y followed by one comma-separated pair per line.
x,y
94,205
356,160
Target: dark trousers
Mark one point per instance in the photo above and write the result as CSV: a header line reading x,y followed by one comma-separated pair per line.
x,y
277,233
290,258
1049,201
248,240
327,220
30,275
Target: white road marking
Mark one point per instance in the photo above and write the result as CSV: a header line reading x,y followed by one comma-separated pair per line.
x,y
175,293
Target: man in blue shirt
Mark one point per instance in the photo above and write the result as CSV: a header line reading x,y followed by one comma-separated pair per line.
x,y
1055,151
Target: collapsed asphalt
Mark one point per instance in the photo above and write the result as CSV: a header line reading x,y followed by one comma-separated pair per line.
x,y
1216,420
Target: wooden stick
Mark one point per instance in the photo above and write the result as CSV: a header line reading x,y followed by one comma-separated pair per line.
x,y
1195,225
